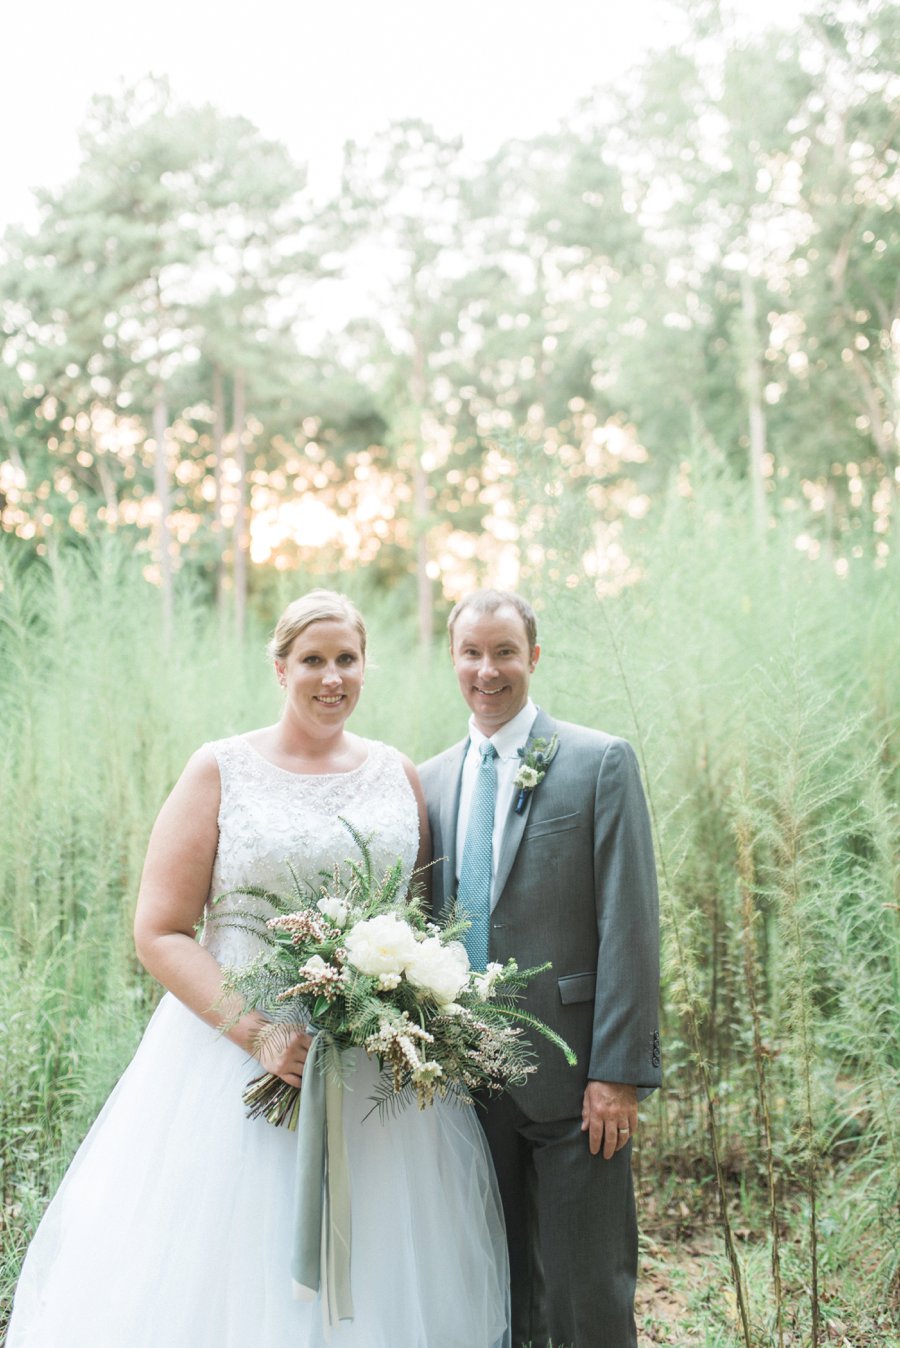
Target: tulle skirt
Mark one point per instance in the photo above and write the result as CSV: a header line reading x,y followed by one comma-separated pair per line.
x,y
173,1224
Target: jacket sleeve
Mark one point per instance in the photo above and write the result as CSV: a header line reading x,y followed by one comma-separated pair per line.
x,y
430,777
625,1045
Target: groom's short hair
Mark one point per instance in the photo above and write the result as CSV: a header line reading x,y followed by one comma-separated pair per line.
x,y
488,601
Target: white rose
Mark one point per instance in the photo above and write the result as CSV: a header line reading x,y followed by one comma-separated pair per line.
x,y
334,909
380,945
439,969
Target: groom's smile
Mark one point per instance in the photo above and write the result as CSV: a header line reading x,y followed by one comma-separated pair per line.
x,y
493,664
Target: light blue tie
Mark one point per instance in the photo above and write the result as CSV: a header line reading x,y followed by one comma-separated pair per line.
x,y
474,898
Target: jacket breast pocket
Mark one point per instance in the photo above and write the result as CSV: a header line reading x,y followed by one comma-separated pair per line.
x,y
577,988
560,823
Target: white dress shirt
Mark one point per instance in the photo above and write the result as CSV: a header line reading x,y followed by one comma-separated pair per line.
x,y
508,740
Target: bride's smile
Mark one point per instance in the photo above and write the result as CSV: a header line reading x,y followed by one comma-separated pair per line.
x,y
323,674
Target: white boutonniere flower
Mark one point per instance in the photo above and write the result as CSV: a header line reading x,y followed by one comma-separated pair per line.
x,y
536,759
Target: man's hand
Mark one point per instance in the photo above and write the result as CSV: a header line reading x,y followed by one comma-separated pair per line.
x,y
609,1116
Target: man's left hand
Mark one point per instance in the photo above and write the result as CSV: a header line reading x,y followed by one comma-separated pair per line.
x,y
609,1116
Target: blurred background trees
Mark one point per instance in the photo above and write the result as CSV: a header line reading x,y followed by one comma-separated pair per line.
x,y
703,262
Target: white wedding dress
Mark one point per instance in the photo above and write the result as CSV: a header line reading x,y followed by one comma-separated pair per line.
x,y
172,1227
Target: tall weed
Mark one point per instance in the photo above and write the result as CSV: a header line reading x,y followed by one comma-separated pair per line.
x,y
762,693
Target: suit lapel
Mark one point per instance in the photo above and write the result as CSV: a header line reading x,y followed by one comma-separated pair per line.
x,y
543,728
451,784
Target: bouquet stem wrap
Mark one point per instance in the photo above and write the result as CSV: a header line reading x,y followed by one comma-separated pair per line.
x,y
321,1257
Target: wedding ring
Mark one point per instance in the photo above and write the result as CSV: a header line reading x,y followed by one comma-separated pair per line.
x,y
624,1130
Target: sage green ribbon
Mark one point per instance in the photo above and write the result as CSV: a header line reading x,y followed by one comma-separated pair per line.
x,y
321,1256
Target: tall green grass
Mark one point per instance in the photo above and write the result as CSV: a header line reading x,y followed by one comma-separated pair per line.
x,y
98,718
99,714
762,693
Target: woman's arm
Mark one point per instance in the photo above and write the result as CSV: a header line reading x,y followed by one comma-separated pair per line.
x,y
174,889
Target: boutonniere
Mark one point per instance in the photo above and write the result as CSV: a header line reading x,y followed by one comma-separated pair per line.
x,y
536,759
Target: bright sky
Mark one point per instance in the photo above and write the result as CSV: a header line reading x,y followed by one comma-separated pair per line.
x,y
315,74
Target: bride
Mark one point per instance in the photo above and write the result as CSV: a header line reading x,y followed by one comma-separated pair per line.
x,y
173,1225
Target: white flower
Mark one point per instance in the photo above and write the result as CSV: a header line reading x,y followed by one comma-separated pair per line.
x,y
387,982
528,778
381,945
439,969
428,1071
315,965
334,909
484,983
409,1051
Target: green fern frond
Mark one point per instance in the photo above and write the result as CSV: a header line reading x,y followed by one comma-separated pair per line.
x,y
513,1012
363,845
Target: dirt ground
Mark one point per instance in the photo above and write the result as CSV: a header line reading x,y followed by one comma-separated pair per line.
x,y
671,1272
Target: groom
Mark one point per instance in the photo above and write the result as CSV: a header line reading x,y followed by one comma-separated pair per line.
x,y
553,860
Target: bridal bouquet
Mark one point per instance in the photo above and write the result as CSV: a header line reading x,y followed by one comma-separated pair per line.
x,y
358,960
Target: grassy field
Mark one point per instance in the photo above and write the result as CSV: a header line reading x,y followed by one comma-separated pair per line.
x,y
762,694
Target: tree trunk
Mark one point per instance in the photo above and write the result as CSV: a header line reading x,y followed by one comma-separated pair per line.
x,y
423,580
161,487
10,448
241,527
219,456
425,605
885,441
753,383
108,487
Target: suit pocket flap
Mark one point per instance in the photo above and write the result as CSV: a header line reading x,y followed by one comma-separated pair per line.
x,y
558,824
577,988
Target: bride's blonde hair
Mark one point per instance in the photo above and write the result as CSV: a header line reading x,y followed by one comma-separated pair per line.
x,y
316,607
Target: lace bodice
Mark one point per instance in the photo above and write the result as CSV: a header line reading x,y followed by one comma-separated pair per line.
x,y
269,817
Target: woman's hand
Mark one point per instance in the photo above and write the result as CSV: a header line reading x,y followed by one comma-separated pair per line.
x,y
283,1052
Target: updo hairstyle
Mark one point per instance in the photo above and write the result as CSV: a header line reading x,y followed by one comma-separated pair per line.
x,y
315,607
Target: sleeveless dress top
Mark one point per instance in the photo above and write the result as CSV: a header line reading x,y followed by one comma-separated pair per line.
x,y
173,1226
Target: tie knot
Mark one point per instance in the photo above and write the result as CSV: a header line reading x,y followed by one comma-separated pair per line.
x,y
487,751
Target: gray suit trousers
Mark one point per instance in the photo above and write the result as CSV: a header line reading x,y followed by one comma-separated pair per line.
x,y
571,1230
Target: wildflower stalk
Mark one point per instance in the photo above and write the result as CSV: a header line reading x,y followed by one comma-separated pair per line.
x,y
806,794
792,895
749,917
686,967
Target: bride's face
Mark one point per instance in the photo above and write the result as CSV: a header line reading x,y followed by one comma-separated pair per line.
x,y
323,673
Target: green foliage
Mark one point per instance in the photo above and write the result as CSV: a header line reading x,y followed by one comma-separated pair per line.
x,y
761,690
706,253
573,327
752,683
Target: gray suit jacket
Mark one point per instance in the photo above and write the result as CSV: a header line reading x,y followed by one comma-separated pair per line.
x,y
577,886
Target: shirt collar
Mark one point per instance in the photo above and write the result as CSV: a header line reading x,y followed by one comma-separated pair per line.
x,y
510,738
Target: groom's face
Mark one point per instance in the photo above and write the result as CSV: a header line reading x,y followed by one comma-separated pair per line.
x,y
493,664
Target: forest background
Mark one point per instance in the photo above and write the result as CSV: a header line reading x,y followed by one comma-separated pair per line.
x,y
643,366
